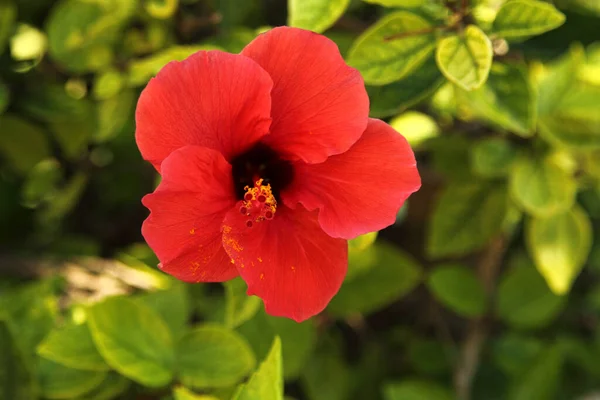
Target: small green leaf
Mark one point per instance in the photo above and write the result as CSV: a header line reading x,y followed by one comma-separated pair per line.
x,y
171,304
416,127
466,217
60,382
524,300
140,71
42,182
412,89
239,306
362,256
397,3
73,347
327,375
465,59
212,356
383,60
560,245
315,15
181,393
112,386
540,380
108,84
559,80
362,242
458,288
161,9
416,390
492,157
16,377
394,275
133,340
267,382
517,18
540,187
507,100
22,144
28,43
298,339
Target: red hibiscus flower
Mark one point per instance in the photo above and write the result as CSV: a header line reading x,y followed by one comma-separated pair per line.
x,y
269,163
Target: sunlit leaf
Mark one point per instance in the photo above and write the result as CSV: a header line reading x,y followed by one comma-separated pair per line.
x,y
416,127
315,15
559,245
518,18
133,340
239,306
16,377
382,59
466,58
540,187
267,382
73,347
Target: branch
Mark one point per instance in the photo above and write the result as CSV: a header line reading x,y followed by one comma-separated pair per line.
x,y
466,368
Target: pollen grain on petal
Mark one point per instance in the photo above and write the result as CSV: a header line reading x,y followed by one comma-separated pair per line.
x,y
259,259
262,276
193,231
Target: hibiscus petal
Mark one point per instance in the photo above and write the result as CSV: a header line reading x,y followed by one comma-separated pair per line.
x,y
212,99
187,210
289,261
361,190
320,105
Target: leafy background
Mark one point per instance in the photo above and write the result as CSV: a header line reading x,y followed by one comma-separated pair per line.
x,y
487,287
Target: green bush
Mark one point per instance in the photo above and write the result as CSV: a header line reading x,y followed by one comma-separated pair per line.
x,y
487,287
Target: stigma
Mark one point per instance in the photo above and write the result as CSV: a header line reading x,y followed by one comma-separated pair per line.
x,y
259,203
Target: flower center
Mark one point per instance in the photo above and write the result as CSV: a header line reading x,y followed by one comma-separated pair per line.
x,y
260,163
259,203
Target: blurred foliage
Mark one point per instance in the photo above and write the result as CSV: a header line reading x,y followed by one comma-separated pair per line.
x,y
487,287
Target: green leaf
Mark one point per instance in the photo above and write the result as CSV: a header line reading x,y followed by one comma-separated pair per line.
x,y
16,378
81,33
28,43
161,9
382,61
73,347
22,144
540,381
515,353
507,100
560,245
181,393
171,304
560,78
315,15
133,340
416,127
72,121
113,115
412,89
42,182
108,84
327,376
517,18
212,356
267,382
140,71
112,386
466,217
60,382
458,288
8,18
394,275
465,59
31,309
298,339
524,300
397,3
540,187
492,157
416,390
239,306
429,357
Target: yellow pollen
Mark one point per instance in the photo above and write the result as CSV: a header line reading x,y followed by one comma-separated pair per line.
x,y
259,259
293,268
192,231
262,276
232,261
259,203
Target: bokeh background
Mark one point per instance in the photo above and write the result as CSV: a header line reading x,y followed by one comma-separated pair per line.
x,y
487,287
